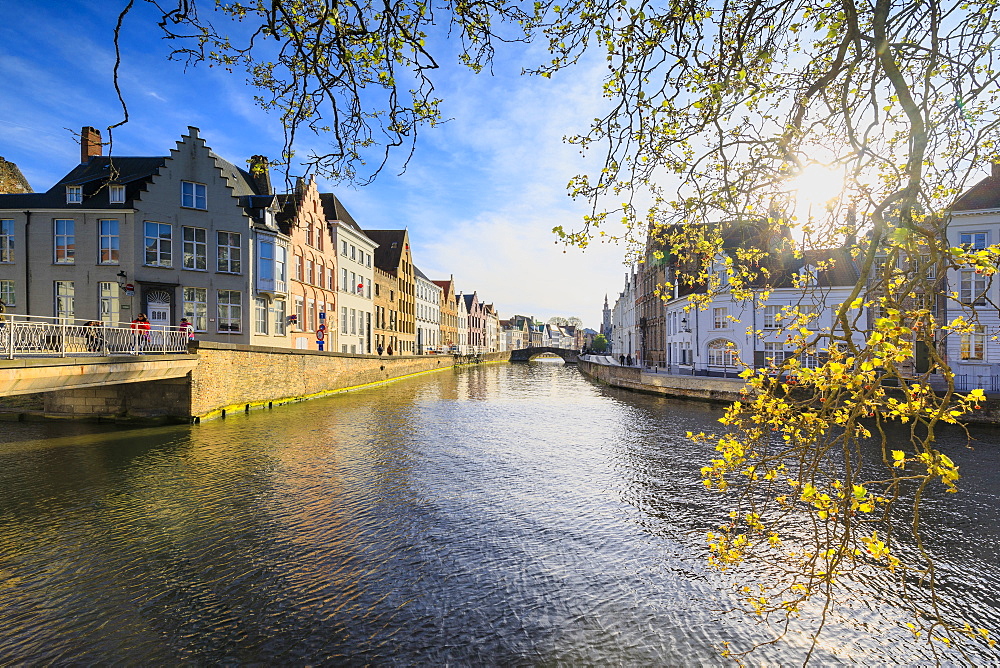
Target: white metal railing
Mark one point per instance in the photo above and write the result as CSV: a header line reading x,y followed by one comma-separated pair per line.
x,y
40,336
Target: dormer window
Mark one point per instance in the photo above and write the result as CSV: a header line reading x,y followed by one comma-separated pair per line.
x,y
74,194
116,194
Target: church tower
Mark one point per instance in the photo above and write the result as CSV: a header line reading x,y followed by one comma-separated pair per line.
x,y
606,325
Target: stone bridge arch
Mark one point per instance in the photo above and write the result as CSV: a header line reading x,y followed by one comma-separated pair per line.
x,y
528,354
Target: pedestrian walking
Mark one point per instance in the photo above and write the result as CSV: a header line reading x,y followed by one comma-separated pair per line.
x,y
141,327
621,360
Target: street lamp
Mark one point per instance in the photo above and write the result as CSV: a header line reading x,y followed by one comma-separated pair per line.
x,y
122,279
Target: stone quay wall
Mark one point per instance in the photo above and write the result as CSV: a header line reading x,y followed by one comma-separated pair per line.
x,y
242,377
702,388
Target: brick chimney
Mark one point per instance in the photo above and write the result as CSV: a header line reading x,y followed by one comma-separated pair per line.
x,y
90,143
261,174
996,171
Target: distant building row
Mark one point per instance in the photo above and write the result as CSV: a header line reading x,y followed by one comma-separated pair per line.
x,y
190,235
725,333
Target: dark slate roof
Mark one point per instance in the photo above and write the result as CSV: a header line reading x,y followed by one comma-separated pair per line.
x,y
844,270
241,181
390,247
983,195
334,209
468,301
420,274
132,172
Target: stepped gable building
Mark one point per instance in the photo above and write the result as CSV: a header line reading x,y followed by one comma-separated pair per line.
x,y
12,181
170,236
476,323
449,315
386,312
357,278
393,256
312,284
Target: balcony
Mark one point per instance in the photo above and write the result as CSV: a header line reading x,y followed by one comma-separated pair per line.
x,y
271,286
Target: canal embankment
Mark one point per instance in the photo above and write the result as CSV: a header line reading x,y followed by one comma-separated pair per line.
x,y
724,390
228,378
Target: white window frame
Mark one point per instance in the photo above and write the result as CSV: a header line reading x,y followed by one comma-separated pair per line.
x,y
300,314
974,240
8,292
260,315
64,252
74,194
722,352
64,299
116,194
6,240
771,316
720,317
229,312
973,287
194,248
973,345
160,246
108,243
280,322
194,195
195,306
229,256
109,303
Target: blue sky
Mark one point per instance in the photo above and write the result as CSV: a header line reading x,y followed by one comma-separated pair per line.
x,y
480,196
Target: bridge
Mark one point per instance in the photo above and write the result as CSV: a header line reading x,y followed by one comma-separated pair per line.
x,y
527,354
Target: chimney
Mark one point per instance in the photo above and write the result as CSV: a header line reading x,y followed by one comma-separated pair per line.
x,y
996,171
90,143
261,174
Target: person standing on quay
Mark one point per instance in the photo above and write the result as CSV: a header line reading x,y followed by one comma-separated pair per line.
x,y
141,326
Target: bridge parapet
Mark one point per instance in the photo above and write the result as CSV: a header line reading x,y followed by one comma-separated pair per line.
x,y
528,354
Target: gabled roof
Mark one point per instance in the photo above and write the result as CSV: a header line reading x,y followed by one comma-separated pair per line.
x,y
420,274
983,195
390,247
94,176
334,209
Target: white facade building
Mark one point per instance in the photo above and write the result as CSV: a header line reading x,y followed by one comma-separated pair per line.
x,y
462,322
427,314
624,338
355,308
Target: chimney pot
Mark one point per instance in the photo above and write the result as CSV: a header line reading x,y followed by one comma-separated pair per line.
x,y
90,143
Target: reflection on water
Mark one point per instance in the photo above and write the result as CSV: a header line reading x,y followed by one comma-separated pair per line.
x,y
490,515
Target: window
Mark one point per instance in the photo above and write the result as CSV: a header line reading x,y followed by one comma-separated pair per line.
x,y
74,194
320,274
354,321
925,261
196,308
65,242
330,274
108,242
7,295
6,240
772,317
300,314
299,274
110,304
230,311
774,353
343,250
310,315
195,248
310,272
974,240
116,194
720,317
280,260
229,252
260,315
368,288
344,285
974,344
353,251
309,235
65,296
721,353
158,248
972,288
194,195
368,260
809,359
279,317
343,319
354,283
265,269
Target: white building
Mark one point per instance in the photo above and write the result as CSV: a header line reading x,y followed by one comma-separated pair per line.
x,y
356,250
624,338
427,314
462,322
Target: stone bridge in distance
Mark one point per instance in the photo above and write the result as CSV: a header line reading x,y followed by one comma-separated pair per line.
x,y
527,354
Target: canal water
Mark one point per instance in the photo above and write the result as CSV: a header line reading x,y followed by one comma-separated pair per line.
x,y
495,515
